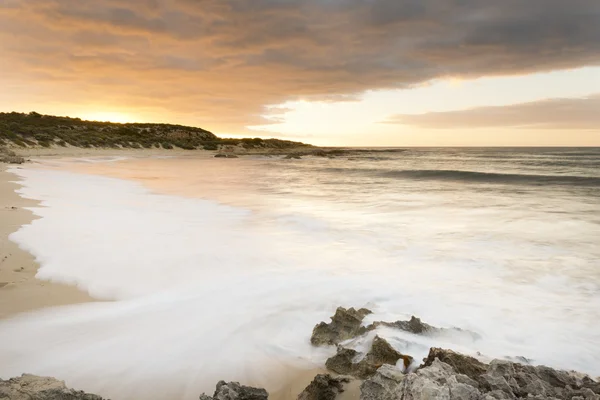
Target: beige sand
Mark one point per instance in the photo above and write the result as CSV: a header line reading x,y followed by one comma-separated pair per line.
x,y
20,291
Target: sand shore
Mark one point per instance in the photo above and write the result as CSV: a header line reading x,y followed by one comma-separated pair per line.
x,y
20,291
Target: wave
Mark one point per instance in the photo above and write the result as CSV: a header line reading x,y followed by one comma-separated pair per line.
x,y
494,177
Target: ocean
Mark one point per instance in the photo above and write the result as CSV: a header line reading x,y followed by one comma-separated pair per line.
x,y
220,268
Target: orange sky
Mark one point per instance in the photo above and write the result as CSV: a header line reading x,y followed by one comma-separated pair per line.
x,y
376,72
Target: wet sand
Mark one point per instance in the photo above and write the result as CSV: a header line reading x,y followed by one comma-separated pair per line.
x,y
20,291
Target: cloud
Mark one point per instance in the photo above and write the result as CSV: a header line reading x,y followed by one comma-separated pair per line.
x,y
224,60
571,114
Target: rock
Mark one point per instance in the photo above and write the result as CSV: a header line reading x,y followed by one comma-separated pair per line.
x,y
324,387
381,353
418,327
437,381
293,157
344,325
384,385
12,159
222,155
235,391
440,377
31,387
341,362
462,364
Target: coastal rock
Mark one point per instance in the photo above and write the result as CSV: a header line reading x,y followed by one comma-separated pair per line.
x,y
386,384
381,353
324,387
440,378
438,381
462,364
31,387
10,157
418,327
235,391
345,324
222,155
342,361
293,157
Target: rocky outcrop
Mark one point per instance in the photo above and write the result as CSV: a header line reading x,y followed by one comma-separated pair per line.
x,y
324,387
469,379
31,387
223,155
381,353
344,325
462,364
293,156
383,385
418,327
235,391
9,156
347,324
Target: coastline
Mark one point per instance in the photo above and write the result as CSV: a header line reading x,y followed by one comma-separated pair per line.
x,y
294,380
20,290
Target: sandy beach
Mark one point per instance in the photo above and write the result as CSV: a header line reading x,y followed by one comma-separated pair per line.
x,y
20,291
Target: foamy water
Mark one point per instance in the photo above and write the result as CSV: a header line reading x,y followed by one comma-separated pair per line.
x,y
219,269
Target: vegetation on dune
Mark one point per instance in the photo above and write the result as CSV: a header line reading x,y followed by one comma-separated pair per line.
x,y
35,130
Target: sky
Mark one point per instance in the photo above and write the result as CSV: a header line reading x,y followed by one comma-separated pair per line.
x,y
326,72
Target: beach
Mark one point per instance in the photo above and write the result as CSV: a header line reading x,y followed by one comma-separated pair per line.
x,y
20,291
218,269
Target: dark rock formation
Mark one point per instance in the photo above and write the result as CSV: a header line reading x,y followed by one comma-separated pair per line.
x,y
9,156
462,377
462,364
235,391
381,353
222,155
347,324
342,361
383,385
31,387
418,327
293,157
344,325
324,387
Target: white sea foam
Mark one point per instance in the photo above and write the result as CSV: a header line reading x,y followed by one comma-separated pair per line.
x,y
206,291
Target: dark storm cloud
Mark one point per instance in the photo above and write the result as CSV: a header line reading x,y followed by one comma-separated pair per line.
x,y
226,59
547,114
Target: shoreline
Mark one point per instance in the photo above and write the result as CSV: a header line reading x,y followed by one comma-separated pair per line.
x,y
20,290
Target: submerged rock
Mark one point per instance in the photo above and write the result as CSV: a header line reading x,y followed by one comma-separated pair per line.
x,y
418,327
32,387
235,391
324,387
345,324
381,353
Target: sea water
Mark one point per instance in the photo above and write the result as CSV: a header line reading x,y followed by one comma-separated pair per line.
x,y
219,268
